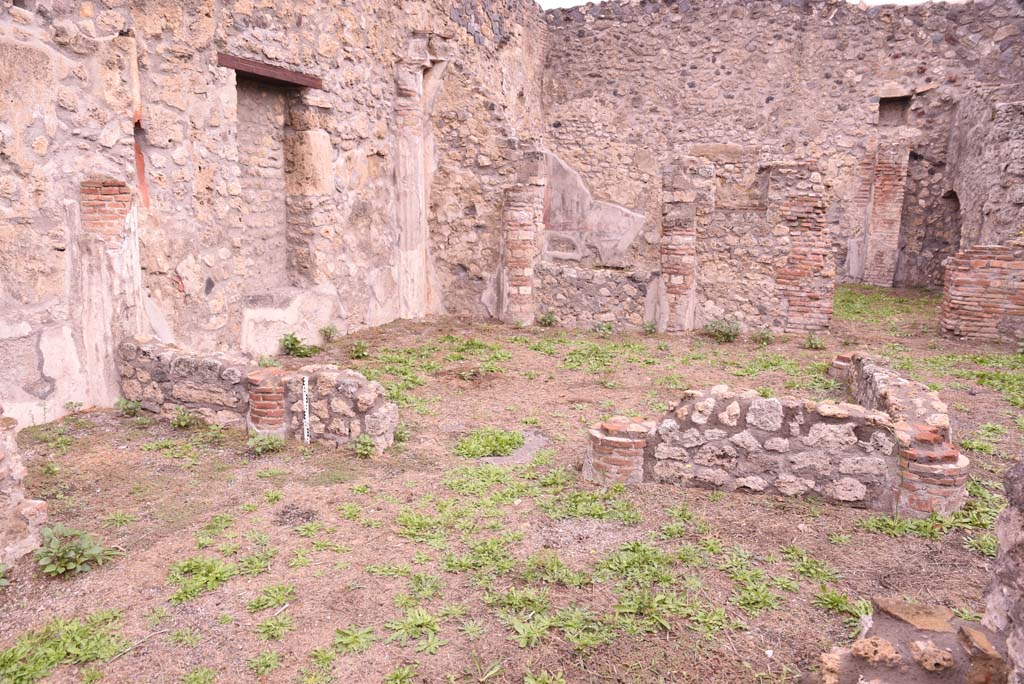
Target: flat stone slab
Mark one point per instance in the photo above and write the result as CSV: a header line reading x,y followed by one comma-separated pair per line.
x,y
927,618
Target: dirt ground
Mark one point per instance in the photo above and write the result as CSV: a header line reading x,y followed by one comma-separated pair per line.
x,y
422,543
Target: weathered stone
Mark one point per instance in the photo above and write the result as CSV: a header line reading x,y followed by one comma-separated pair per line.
x,y
877,651
765,414
929,656
793,486
986,665
927,618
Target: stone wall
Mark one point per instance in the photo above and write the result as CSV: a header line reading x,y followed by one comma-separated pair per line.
x,y
257,209
233,391
869,91
986,149
933,474
582,298
892,452
730,440
984,294
20,518
1005,607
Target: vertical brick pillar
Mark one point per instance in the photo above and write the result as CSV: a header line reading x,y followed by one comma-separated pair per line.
x,y
885,213
933,473
522,220
983,297
615,453
797,204
267,411
105,205
688,197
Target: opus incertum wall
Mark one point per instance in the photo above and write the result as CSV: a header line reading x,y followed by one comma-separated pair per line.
x,y
891,452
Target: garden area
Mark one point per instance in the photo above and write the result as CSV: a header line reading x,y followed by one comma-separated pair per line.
x,y
182,552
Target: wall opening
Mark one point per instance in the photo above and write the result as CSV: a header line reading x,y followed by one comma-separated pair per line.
x,y
262,109
893,111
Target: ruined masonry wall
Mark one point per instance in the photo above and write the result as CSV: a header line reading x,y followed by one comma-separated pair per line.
x,y
20,518
891,454
984,294
132,92
630,87
728,440
232,391
986,159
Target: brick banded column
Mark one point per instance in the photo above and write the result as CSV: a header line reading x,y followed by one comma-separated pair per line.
x,y
688,200
267,412
933,474
522,219
615,454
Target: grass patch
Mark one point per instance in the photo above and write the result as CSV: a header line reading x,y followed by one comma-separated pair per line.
x,y
489,441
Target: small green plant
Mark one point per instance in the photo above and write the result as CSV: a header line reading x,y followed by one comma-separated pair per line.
x,y
416,623
329,333
968,614
265,444
650,328
274,596
65,551
814,342
200,675
197,575
273,496
762,337
36,654
293,346
543,677
183,419
127,407
265,663
354,639
406,674
364,446
604,329
73,406
489,441
359,350
722,330
185,637
268,362
4,582
839,539
547,319
986,544
275,628
120,519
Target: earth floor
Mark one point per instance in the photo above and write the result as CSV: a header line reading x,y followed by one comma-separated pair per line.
x,y
421,566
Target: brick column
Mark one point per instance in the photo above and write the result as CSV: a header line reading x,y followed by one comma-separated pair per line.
x,y
688,198
267,410
798,203
933,473
615,453
522,219
105,205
